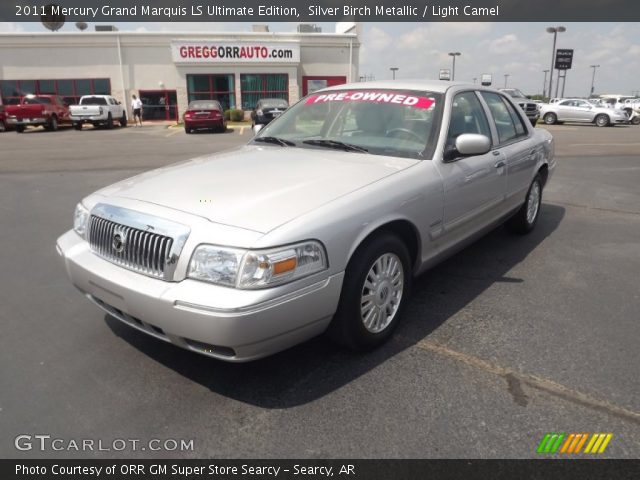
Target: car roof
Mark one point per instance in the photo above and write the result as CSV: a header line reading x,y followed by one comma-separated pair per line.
x,y
435,86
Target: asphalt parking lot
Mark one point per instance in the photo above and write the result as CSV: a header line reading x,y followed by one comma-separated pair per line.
x,y
510,339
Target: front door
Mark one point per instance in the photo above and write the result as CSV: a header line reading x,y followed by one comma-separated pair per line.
x,y
474,186
159,105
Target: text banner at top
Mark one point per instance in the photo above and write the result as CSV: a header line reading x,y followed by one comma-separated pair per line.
x,y
113,11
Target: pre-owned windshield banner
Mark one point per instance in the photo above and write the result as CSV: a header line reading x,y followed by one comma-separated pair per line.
x,y
321,10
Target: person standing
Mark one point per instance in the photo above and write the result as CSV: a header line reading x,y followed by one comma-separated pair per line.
x,y
136,106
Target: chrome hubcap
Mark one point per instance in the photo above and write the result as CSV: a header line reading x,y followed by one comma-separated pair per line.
x,y
382,293
534,202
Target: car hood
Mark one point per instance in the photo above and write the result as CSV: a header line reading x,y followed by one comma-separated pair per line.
x,y
258,187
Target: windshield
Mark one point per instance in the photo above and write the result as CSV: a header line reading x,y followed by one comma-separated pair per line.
x,y
514,92
93,101
272,103
381,122
37,101
204,105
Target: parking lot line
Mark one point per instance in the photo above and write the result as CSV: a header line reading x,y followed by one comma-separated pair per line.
x,y
173,132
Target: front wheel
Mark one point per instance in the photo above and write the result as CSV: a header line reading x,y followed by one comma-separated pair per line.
x,y
376,285
533,121
123,121
525,219
2,126
602,120
635,120
550,118
109,122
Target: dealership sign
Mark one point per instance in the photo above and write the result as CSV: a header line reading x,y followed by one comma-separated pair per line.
x,y
564,58
234,52
445,74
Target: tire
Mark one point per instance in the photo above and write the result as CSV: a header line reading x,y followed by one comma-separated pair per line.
x,y
525,219
19,128
358,323
550,118
77,126
3,127
635,120
187,130
602,120
52,126
123,121
534,122
109,122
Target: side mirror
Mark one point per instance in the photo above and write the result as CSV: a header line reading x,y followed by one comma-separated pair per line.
x,y
469,144
257,128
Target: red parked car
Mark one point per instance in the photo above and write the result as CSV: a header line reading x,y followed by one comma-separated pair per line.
x,y
204,114
3,119
48,111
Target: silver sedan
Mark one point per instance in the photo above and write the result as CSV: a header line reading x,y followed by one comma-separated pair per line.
x,y
320,223
581,111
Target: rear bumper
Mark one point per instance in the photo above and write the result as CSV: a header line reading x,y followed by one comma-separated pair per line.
x,y
224,323
88,118
204,123
26,121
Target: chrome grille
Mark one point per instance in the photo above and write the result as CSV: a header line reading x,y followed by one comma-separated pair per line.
x,y
143,251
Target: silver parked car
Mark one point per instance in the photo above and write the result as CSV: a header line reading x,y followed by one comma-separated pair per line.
x,y
578,110
320,222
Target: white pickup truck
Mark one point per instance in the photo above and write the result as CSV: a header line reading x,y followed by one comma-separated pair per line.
x,y
98,110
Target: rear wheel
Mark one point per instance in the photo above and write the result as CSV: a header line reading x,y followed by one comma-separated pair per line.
x,y
376,285
550,118
525,219
77,126
19,128
187,130
602,120
52,126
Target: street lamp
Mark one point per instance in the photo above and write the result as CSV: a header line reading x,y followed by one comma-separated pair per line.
x,y
593,78
506,76
453,70
555,31
394,70
544,84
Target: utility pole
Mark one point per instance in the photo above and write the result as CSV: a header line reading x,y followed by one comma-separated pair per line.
x,y
593,78
544,84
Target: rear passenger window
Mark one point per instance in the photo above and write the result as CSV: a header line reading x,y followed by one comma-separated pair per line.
x,y
508,122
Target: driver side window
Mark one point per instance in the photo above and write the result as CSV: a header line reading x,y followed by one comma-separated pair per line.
x,y
467,116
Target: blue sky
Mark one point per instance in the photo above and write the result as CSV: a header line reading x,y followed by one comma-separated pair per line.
x,y
522,50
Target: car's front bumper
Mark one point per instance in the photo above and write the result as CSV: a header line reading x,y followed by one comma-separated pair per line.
x,y
225,323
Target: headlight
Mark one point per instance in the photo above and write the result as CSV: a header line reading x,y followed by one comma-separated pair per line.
x,y
247,269
80,220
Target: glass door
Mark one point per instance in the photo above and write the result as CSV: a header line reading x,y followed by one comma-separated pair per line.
x,y
159,105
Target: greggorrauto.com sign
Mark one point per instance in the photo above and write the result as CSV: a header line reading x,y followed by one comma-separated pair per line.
x,y
233,52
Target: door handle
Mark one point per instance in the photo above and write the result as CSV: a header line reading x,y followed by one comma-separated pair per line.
x,y
499,164
496,153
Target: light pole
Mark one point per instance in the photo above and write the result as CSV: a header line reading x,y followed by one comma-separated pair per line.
x,y
593,78
506,76
544,84
453,71
555,31
394,70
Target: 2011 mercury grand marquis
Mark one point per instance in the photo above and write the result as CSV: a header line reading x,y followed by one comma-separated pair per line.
x,y
320,222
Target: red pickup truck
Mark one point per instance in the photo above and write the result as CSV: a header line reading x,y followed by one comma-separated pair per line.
x,y
48,111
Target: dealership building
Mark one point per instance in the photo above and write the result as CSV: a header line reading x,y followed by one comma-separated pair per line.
x,y
168,70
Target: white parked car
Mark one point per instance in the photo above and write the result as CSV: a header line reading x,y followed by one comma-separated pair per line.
x,y
98,110
579,110
320,222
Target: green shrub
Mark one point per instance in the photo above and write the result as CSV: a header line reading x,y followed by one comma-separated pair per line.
x,y
237,115
227,114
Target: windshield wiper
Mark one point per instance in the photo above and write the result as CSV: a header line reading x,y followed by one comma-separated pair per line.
x,y
275,140
347,147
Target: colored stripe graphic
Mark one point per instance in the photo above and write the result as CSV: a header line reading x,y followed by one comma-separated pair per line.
x,y
572,443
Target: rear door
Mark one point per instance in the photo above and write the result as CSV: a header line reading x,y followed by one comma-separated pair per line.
x,y
516,143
